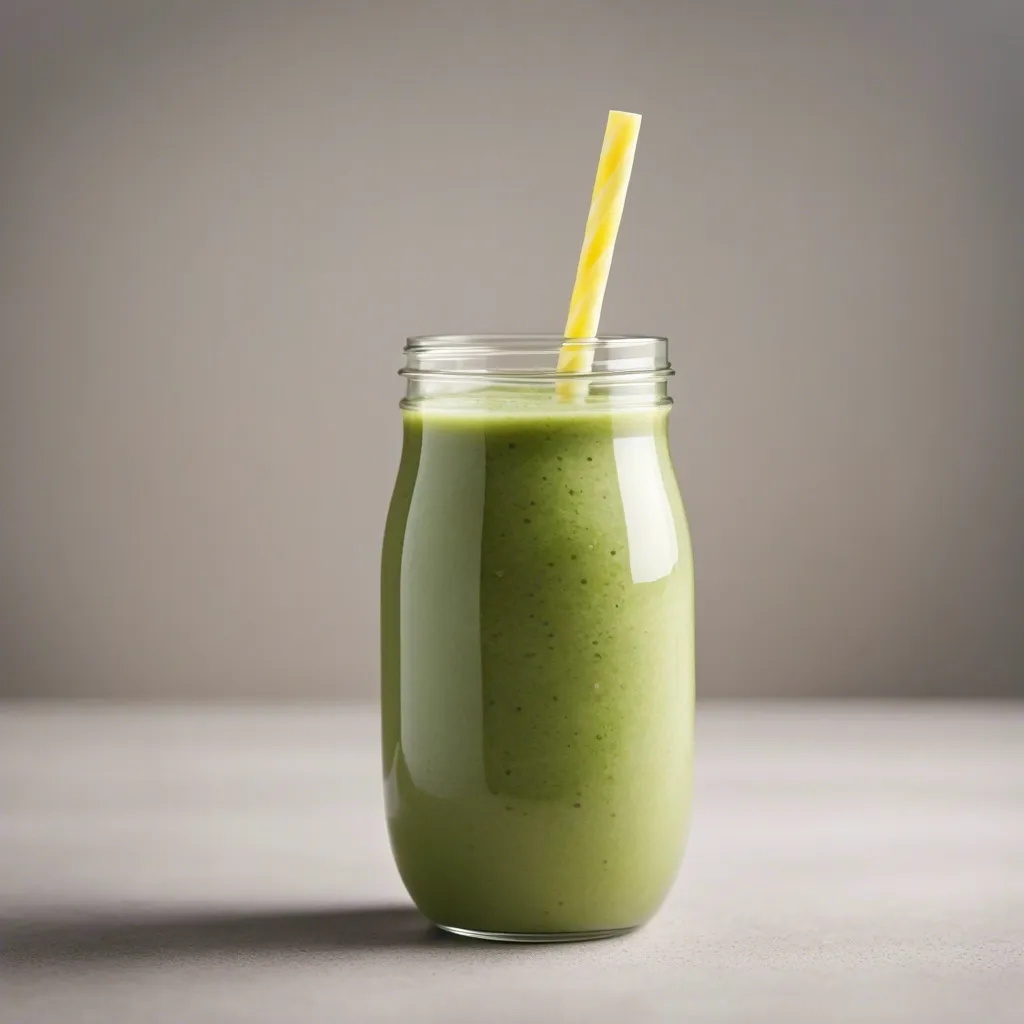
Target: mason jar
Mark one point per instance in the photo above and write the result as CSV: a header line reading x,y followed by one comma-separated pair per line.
x,y
537,639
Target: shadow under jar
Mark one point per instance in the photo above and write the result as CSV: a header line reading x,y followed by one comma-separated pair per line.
x,y
537,639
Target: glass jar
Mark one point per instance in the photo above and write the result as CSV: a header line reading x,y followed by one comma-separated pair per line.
x,y
537,639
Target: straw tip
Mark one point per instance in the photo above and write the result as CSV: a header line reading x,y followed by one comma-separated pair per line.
x,y
625,113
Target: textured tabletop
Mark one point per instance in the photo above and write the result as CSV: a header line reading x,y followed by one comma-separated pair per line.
x,y
847,863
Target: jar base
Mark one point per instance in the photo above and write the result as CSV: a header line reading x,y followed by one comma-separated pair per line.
x,y
537,938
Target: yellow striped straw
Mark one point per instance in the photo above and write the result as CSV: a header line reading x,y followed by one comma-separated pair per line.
x,y
606,203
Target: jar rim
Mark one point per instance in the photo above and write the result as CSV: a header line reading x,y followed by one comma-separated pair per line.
x,y
534,340
534,357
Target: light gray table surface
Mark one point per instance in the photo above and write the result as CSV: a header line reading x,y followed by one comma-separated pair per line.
x,y
847,863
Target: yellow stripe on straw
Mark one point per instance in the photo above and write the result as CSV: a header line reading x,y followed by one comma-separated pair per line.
x,y
606,203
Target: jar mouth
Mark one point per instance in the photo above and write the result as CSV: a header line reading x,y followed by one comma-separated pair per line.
x,y
534,357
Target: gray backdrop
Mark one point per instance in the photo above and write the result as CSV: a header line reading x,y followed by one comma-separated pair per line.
x,y
219,220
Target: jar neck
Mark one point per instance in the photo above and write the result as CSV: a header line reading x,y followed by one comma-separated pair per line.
x,y
621,370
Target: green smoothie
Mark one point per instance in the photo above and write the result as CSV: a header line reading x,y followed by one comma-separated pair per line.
x,y
537,655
